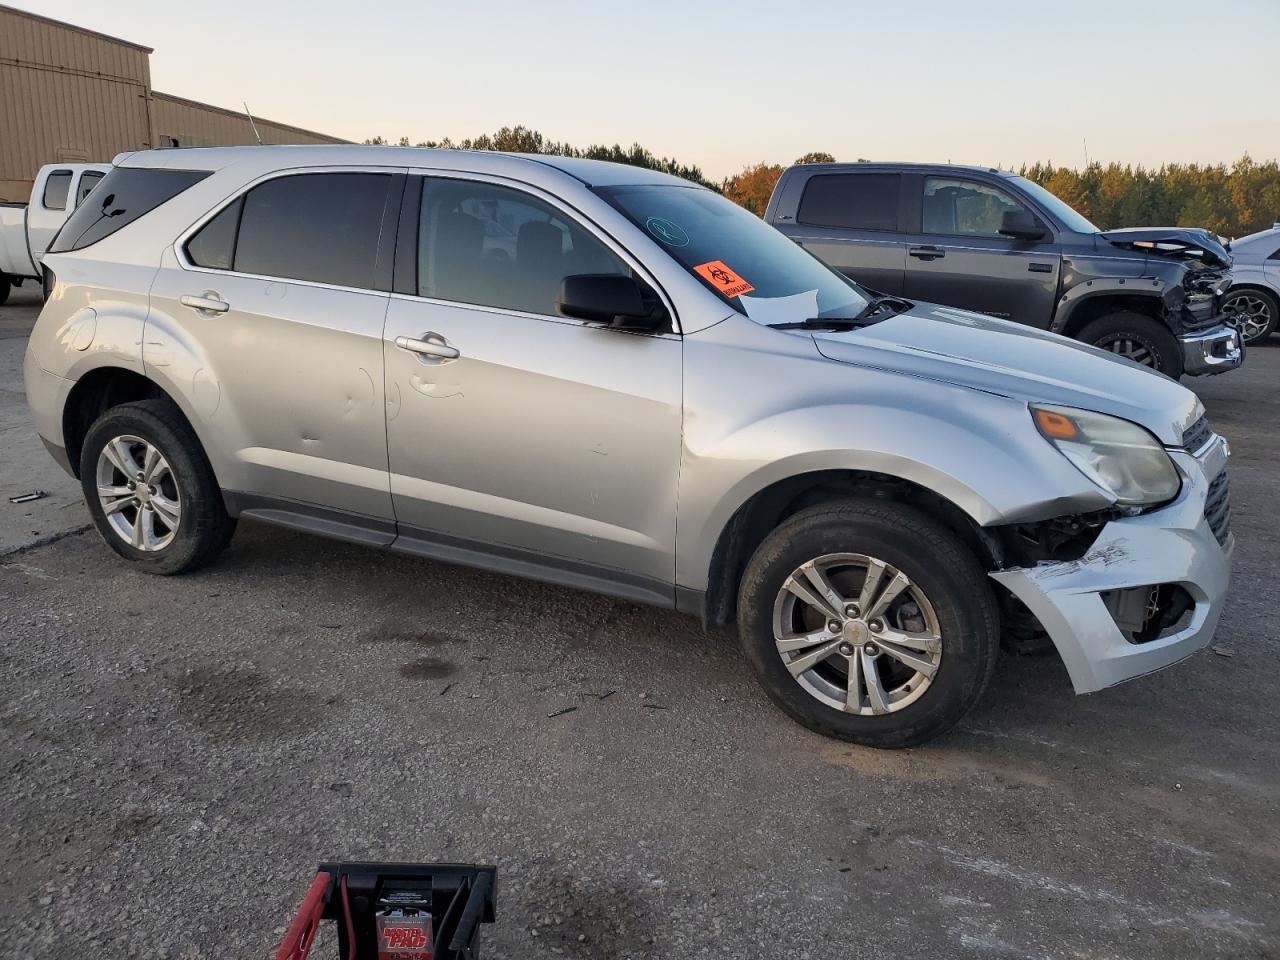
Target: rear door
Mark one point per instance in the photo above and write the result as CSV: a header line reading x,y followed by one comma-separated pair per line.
x,y
959,258
852,222
283,292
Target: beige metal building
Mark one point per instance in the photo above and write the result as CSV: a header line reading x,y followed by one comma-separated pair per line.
x,y
69,94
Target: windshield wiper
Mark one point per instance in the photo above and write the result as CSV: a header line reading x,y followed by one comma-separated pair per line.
x,y
865,317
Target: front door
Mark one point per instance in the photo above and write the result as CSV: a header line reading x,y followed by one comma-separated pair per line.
x,y
518,437
960,259
276,299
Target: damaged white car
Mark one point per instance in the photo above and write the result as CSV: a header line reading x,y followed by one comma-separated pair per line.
x,y
612,379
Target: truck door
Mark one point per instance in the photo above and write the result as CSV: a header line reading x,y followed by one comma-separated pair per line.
x,y
851,221
959,258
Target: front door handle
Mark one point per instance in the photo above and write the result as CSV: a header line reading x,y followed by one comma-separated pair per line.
x,y
207,302
927,253
429,345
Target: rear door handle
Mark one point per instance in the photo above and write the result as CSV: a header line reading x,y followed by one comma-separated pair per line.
x,y
927,253
430,345
207,302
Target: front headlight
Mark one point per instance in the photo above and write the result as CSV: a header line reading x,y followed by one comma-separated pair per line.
x,y
1119,456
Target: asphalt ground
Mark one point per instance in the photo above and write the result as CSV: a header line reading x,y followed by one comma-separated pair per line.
x,y
177,754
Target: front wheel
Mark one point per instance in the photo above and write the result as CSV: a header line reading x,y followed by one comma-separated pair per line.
x,y
150,489
868,621
1136,337
1254,313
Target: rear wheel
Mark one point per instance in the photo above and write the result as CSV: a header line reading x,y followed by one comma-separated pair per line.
x,y
1137,337
1254,313
868,621
150,489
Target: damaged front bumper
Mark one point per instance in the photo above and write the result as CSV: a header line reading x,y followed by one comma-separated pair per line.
x,y
1185,544
1214,351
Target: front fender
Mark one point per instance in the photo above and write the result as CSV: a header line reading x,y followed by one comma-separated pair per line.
x,y
977,450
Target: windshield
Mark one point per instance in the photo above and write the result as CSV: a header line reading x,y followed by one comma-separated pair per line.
x,y
1065,214
750,265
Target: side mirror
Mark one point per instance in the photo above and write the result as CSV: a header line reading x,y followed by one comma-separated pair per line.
x,y
1021,225
608,298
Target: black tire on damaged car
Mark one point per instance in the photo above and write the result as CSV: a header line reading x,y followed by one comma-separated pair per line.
x,y
923,550
1143,339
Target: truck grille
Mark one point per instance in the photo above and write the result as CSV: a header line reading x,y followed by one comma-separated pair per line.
x,y
1217,507
1197,435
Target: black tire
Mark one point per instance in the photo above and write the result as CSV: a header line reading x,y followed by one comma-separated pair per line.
x,y
5,287
203,528
1237,297
926,552
1115,332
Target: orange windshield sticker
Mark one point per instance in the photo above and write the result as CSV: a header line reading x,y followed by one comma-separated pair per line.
x,y
722,278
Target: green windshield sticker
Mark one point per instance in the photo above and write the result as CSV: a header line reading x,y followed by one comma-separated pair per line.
x,y
670,233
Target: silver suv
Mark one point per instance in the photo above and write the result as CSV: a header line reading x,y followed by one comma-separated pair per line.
x,y
612,379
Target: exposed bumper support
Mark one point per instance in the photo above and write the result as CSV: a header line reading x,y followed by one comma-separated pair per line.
x,y
1214,351
1171,545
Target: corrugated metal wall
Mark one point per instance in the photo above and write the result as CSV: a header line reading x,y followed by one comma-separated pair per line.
x,y
193,124
69,94
66,94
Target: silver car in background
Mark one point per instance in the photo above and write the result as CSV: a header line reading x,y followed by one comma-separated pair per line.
x,y
612,379
1254,298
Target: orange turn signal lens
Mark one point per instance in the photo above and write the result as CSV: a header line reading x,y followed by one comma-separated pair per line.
x,y
1056,426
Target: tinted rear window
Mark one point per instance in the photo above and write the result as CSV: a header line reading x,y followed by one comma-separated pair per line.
x,y
56,189
124,195
214,246
322,227
88,180
852,201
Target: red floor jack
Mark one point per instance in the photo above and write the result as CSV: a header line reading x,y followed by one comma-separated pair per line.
x,y
395,911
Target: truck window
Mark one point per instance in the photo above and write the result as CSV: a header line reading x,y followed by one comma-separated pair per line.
x,y
963,207
56,188
124,195
852,201
88,180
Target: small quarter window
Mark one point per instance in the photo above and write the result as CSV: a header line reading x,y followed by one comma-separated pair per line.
x,y
214,246
56,188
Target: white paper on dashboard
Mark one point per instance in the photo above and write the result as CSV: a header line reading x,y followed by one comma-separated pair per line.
x,y
792,309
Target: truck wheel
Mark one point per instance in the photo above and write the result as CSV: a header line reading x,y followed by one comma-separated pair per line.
x,y
5,287
1252,312
1138,337
868,621
150,489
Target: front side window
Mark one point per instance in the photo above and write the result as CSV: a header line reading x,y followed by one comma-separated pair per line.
x,y
124,195
494,246
56,188
322,227
750,265
851,201
964,207
88,180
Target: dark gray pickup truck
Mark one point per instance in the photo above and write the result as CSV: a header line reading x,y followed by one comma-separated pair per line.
x,y
995,243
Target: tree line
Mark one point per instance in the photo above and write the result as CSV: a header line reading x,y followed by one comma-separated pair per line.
x,y
1232,200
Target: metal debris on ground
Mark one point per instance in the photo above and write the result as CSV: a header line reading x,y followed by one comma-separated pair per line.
x,y
561,713
1222,651
28,497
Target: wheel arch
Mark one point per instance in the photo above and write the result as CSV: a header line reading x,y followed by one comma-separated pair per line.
x,y
764,510
1085,309
96,392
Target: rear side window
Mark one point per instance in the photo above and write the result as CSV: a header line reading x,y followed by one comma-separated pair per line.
x,y
215,245
56,189
321,227
124,195
852,201
88,180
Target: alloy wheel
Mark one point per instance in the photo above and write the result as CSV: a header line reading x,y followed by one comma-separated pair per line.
x,y
138,493
1250,315
857,634
1133,349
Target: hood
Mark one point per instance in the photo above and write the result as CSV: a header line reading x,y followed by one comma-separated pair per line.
x,y
1012,360
1176,243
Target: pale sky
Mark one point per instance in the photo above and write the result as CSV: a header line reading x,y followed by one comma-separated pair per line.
x,y
726,84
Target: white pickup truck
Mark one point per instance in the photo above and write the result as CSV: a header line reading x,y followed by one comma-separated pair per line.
x,y
26,229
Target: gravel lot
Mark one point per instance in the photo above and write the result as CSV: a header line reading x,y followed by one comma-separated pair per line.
x,y
177,754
